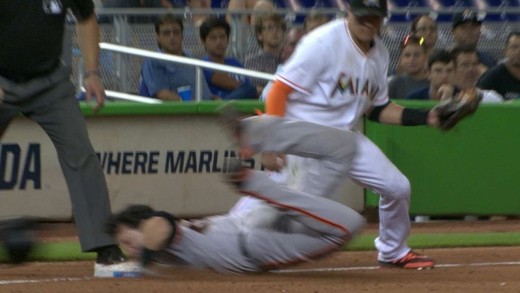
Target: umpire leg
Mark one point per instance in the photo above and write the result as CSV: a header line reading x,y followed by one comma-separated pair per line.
x,y
63,121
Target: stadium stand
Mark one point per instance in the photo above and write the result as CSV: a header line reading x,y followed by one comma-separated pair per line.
x,y
499,21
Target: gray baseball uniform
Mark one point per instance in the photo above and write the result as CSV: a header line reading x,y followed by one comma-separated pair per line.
x,y
308,227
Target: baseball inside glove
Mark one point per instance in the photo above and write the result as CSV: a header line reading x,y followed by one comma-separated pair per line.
x,y
454,109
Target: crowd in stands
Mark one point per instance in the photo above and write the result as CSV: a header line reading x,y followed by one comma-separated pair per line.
x,y
422,66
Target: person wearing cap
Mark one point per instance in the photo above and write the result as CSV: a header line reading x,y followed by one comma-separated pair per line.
x,y
336,75
466,29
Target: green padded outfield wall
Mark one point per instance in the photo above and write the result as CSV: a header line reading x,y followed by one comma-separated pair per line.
x,y
472,169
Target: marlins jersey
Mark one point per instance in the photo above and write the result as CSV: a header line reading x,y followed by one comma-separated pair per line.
x,y
335,90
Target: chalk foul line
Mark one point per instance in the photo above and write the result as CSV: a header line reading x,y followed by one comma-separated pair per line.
x,y
287,271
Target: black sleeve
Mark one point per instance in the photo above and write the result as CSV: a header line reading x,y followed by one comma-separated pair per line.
x,y
82,9
485,82
376,111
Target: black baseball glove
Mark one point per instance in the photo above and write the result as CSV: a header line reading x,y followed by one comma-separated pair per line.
x,y
454,109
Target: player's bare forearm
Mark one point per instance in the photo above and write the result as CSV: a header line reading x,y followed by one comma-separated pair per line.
x,y
391,114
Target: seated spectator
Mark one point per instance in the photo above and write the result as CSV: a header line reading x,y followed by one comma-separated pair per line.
x,y
168,80
441,68
413,63
423,26
314,19
269,31
467,73
214,34
505,77
466,31
293,36
257,7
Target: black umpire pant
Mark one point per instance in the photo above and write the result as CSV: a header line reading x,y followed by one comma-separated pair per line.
x,y
49,101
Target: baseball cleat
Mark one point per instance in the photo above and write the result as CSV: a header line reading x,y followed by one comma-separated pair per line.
x,y
411,260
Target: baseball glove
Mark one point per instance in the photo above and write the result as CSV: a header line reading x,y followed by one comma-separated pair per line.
x,y
451,111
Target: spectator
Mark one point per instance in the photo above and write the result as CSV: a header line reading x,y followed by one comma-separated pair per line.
x,y
269,31
413,62
423,26
197,19
34,82
505,77
257,7
441,68
466,30
166,80
214,34
467,73
293,36
315,19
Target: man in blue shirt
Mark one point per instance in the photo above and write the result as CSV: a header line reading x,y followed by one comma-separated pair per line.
x,y
214,34
441,70
168,80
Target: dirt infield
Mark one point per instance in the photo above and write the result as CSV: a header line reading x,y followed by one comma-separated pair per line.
x,y
494,269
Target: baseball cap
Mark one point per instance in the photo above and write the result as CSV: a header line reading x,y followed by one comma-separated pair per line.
x,y
369,7
465,17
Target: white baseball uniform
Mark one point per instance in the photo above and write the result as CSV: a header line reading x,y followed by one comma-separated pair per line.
x,y
334,84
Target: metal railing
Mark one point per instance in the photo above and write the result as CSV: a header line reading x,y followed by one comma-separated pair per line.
x,y
121,71
188,61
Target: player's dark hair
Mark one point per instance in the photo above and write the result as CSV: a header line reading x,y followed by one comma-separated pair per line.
x,y
130,216
212,23
168,18
440,55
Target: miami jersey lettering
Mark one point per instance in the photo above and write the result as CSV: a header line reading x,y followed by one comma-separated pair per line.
x,y
338,90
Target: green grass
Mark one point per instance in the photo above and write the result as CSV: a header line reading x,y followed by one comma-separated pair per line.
x,y
70,251
444,240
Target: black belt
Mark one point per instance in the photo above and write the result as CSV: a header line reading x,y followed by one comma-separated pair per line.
x,y
25,77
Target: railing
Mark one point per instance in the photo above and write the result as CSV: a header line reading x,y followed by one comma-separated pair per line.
x,y
189,61
121,71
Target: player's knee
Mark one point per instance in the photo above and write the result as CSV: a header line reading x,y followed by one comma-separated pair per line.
x,y
399,188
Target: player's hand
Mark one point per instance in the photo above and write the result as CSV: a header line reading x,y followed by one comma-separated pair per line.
x,y
274,161
2,94
94,88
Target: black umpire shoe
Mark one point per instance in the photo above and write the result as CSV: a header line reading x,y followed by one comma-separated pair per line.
x,y
109,255
111,262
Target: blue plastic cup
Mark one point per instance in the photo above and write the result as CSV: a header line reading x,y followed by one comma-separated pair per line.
x,y
184,92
